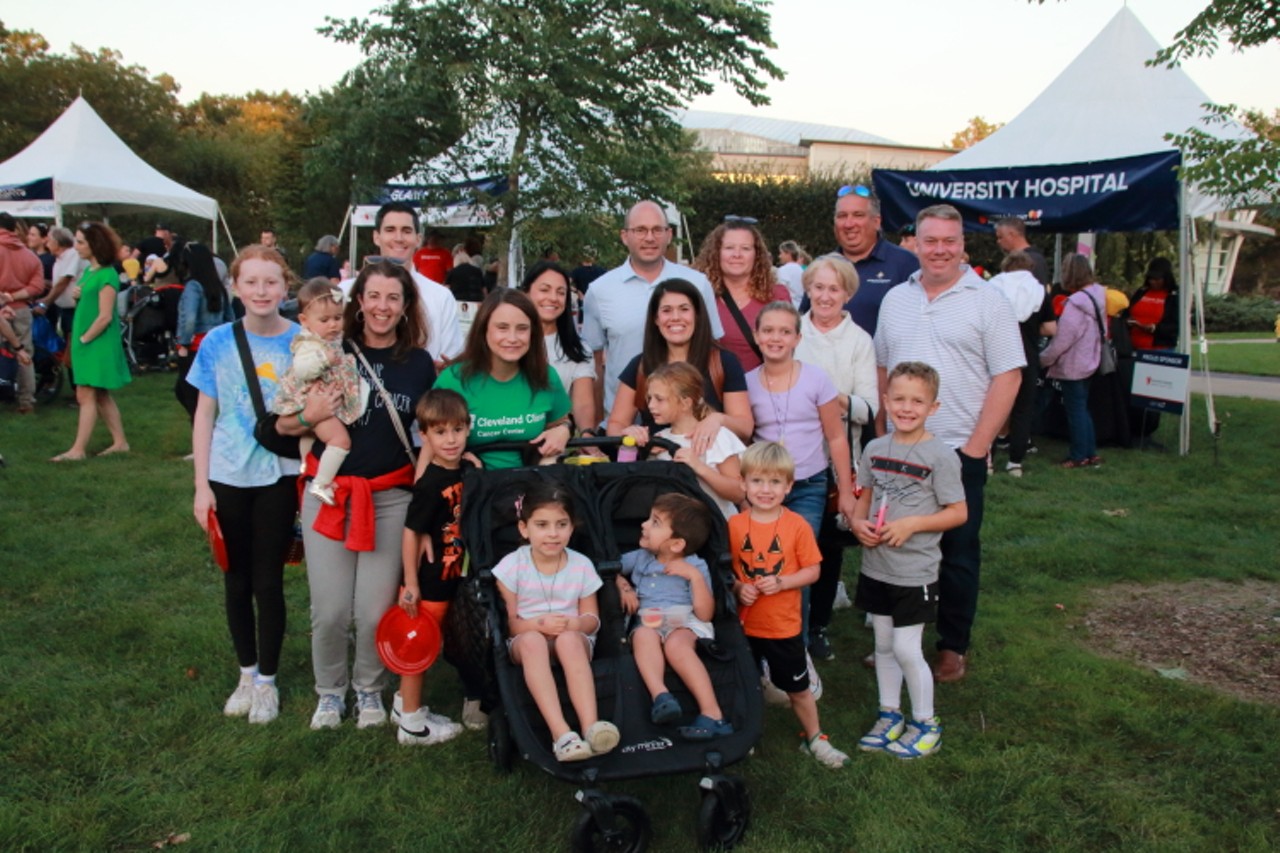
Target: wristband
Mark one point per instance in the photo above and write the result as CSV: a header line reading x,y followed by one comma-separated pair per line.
x,y
303,421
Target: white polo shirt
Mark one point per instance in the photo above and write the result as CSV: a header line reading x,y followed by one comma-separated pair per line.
x,y
967,333
615,310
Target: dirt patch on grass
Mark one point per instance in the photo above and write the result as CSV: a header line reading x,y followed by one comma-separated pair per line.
x,y
1223,635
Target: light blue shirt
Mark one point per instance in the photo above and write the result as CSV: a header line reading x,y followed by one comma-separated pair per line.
x,y
235,457
657,589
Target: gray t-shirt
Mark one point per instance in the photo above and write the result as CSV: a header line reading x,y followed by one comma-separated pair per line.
x,y
917,479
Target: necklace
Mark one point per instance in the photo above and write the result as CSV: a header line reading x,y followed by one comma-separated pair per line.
x,y
548,595
779,416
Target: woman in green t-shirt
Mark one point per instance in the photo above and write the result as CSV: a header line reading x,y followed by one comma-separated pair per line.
x,y
504,377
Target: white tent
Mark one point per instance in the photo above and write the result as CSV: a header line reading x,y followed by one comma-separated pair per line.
x,y
1107,103
90,166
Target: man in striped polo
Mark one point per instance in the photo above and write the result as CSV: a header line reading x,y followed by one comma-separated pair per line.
x,y
946,316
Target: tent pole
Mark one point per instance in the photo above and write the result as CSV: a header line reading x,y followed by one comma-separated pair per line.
x,y
1184,321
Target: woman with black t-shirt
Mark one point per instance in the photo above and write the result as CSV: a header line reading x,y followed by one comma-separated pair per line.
x,y
353,548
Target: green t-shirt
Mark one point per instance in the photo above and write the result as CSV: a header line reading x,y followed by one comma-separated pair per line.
x,y
505,411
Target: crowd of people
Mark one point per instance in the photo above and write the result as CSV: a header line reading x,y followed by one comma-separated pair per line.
x,y
854,398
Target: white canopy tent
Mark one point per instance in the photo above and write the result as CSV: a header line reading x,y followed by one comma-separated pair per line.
x,y
88,166
1108,103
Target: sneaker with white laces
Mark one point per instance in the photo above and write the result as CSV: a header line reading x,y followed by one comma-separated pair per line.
x,y
240,702
472,717
1013,469
266,703
921,738
416,729
439,720
842,597
369,710
820,748
324,493
888,728
329,712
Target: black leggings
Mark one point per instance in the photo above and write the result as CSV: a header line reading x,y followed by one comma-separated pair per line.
x,y
257,524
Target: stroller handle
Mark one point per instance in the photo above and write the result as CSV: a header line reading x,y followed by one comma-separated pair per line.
x,y
600,441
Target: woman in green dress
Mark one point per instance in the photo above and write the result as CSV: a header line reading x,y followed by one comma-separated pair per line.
x,y
97,354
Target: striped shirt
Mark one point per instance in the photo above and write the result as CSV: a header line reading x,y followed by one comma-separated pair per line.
x,y
967,333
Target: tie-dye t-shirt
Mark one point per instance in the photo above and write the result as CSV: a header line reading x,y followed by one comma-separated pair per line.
x,y
235,458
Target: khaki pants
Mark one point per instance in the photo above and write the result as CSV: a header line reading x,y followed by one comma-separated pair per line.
x,y
21,323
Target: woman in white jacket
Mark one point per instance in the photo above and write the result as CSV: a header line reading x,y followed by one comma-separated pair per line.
x,y
832,341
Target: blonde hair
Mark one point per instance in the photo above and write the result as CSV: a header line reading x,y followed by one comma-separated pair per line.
x,y
686,382
844,270
768,457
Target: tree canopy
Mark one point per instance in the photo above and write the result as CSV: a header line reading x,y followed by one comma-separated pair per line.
x,y
574,101
974,132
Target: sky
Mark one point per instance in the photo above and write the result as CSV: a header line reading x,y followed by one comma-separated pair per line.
x,y
914,71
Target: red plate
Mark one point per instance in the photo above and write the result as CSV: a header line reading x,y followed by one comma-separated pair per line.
x,y
216,542
408,645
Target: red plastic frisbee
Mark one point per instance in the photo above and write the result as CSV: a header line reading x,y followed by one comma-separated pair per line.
x,y
216,542
408,645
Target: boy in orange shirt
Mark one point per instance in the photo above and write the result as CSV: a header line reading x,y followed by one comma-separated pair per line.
x,y
775,555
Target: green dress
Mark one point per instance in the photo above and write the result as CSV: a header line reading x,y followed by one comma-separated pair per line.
x,y
101,362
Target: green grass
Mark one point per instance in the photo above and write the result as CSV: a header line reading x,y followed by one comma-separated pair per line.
x,y
1254,359
109,597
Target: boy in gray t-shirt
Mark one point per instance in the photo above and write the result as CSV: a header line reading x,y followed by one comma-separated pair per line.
x,y
910,493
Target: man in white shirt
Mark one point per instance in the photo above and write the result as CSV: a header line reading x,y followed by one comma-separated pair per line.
x,y
395,233
67,269
618,301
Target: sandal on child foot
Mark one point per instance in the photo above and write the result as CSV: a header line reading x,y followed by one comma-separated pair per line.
x,y
705,728
665,710
602,736
571,747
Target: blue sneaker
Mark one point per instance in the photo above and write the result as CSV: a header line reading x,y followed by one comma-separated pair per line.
x,y
888,728
921,739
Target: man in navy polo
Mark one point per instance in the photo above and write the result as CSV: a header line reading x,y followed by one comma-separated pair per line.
x,y
879,263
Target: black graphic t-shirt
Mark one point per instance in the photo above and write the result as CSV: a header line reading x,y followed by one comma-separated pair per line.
x,y
435,511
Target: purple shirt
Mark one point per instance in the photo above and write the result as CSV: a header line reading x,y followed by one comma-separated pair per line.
x,y
1075,350
791,417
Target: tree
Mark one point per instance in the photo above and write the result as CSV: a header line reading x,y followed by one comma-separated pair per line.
x,y
572,100
1244,171
974,132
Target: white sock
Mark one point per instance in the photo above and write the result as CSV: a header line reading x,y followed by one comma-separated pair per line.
x,y
330,461
248,673
264,679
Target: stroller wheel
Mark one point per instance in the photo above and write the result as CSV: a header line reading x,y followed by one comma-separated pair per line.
x,y
500,740
630,831
723,816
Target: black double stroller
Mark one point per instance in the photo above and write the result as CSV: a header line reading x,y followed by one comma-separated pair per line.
x,y
612,500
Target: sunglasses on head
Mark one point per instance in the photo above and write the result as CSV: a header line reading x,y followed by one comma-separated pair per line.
x,y
851,189
733,219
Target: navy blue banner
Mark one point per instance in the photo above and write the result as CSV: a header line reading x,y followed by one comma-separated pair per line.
x,y
38,190
442,195
1125,194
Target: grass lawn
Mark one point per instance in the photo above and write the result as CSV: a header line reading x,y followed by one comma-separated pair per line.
x,y
1254,359
115,663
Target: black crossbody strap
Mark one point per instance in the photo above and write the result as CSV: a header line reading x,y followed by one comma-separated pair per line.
x,y
742,324
250,372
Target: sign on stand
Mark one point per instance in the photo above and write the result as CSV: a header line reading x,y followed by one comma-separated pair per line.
x,y
1160,380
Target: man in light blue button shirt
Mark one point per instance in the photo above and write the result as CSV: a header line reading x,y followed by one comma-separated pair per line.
x,y
616,305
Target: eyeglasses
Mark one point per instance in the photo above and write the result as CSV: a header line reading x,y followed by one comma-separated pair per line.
x,y
732,219
655,231
850,189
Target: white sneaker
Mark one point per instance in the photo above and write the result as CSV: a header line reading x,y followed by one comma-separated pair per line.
x,y
369,710
842,597
416,729
324,493
397,714
821,749
1013,469
602,736
266,703
241,701
329,712
472,717
772,695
